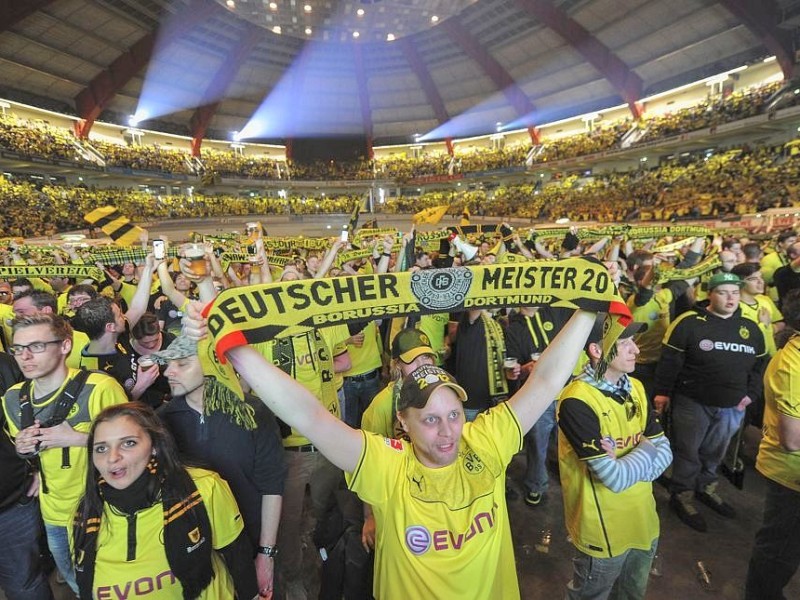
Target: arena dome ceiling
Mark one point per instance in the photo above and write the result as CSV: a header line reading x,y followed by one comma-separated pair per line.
x,y
203,68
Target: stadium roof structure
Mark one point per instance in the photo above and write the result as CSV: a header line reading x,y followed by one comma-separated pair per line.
x,y
386,69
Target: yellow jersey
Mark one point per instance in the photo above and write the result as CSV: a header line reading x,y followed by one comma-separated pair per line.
x,y
750,311
781,397
443,533
64,473
148,574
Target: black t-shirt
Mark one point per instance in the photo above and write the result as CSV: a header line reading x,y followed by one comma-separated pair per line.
x,y
470,364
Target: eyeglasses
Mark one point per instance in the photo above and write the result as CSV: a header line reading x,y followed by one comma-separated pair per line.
x,y
34,347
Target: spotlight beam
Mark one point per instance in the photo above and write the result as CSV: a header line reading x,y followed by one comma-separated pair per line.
x,y
363,93
220,83
97,95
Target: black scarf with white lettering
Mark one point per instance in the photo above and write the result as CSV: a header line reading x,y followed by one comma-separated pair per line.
x,y
187,530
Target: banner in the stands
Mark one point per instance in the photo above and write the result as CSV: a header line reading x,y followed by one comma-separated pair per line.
x,y
259,313
45,271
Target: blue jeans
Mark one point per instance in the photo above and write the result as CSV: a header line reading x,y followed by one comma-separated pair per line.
x,y
622,577
58,542
358,393
700,437
776,552
21,573
536,443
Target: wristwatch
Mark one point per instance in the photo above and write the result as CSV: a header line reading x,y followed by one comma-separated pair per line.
x,y
271,551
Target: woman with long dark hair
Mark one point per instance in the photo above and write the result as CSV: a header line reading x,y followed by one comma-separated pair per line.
x,y
149,525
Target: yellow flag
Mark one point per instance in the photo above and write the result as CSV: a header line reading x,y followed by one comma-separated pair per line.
x,y
430,216
465,217
118,227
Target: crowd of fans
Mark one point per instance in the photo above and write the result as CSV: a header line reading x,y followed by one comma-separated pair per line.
x,y
735,182
39,139
144,158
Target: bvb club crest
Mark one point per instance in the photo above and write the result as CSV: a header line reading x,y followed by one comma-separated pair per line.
x,y
442,289
744,332
194,535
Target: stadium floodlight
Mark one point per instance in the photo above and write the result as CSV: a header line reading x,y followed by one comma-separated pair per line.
x,y
133,120
236,136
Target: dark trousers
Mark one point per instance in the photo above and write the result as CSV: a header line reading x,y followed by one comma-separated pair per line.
x,y
776,552
21,571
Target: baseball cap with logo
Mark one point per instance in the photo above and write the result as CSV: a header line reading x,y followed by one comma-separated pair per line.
x,y
723,279
418,387
181,347
409,344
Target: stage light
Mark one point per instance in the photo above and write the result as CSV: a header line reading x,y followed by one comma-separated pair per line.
x,y
390,37
356,34
360,12
308,30
434,19
307,8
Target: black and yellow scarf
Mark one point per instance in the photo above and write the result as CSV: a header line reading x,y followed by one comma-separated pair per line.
x,y
495,356
186,526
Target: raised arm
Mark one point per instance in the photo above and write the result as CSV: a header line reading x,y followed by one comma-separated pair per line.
x,y
297,407
552,370
138,304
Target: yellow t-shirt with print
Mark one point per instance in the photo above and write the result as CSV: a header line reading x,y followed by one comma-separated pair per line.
x,y
655,313
308,359
781,397
750,311
435,327
442,533
380,416
64,480
367,357
600,522
149,573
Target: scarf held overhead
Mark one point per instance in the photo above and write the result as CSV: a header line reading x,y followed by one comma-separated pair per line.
x,y
259,313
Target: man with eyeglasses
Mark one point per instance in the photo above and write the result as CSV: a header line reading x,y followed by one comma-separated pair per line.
x,y
48,427
611,448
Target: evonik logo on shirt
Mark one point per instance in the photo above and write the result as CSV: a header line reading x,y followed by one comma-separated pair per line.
x,y
419,539
709,345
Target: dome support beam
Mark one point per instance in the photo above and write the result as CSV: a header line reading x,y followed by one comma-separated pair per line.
x,y
493,69
626,82
425,80
762,18
99,92
13,11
